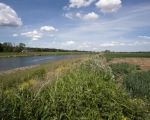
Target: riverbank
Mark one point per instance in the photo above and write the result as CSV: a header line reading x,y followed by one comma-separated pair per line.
x,y
11,78
15,54
73,88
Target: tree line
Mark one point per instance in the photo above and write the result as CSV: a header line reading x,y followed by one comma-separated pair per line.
x,y
9,47
21,47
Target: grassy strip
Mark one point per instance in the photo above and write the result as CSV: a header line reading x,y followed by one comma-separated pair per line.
x,y
85,92
15,54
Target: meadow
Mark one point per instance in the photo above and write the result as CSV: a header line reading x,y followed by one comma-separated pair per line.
x,y
111,55
83,88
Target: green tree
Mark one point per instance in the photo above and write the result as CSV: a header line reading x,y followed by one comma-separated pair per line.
x,y
7,47
1,47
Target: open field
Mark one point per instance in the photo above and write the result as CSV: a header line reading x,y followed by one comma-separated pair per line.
x,y
112,55
74,89
144,63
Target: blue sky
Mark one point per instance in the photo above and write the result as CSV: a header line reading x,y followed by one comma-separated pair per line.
x,y
117,25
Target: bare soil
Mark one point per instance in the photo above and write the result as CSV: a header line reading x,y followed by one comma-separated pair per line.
x,y
143,62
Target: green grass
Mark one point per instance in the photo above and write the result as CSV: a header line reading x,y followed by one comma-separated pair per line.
x,y
138,84
12,78
86,91
123,68
136,81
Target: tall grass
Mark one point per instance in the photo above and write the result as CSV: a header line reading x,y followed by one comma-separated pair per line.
x,y
11,80
123,68
85,92
138,84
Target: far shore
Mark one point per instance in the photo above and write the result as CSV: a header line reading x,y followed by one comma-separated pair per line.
x,y
20,54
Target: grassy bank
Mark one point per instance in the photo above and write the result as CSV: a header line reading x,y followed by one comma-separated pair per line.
x,y
86,89
11,79
15,54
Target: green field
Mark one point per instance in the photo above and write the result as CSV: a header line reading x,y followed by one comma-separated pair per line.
x,y
83,88
111,55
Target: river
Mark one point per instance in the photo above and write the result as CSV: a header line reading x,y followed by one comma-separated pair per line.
x,y
17,62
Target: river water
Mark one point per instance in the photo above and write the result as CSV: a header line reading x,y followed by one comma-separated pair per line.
x,y
17,62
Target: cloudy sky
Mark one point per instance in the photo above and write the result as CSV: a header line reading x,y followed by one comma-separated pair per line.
x,y
118,25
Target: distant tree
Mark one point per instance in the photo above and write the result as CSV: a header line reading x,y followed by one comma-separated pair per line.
x,y
1,47
7,47
107,51
20,47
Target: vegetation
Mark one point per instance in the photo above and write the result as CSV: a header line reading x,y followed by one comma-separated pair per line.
x,y
14,54
134,80
123,68
111,55
138,84
8,49
12,79
86,90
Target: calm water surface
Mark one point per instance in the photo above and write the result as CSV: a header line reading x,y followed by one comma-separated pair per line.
x,y
16,62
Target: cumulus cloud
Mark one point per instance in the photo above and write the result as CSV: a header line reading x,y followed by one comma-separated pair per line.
x,y
88,16
80,3
39,33
34,35
8,17
91,16
48,29
109,5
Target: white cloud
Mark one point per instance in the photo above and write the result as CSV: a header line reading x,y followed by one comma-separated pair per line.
x,y
91,16
15,35
144,37
78,15
88,16
109,5
8,16
34,35
48,29
80,3
70,42
112,44
68,15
